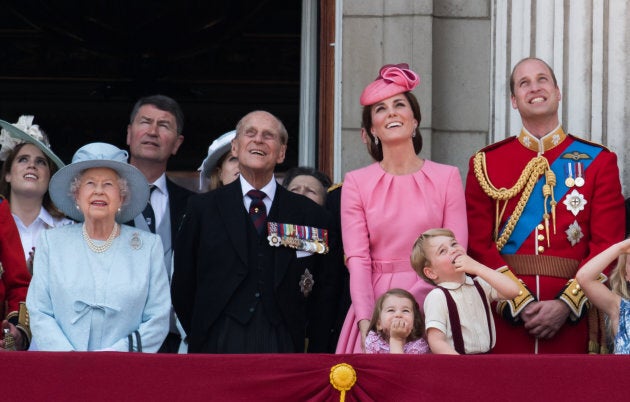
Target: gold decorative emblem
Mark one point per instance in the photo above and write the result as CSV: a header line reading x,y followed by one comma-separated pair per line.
x,y
575,202
574,233
576,156
342,378
306,282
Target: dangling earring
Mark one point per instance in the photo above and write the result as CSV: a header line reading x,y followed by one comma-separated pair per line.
x,y
414,130
118,211
375,140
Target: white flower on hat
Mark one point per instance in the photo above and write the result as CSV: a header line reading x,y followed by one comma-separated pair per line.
x,y
24,123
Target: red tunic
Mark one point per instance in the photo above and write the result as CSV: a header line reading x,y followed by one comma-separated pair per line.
x,y
15,277
601,223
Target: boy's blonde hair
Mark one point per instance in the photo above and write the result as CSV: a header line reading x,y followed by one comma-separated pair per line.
x,y
419,258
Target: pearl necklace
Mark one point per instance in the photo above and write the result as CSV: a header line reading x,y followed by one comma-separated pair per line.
x,y
105,246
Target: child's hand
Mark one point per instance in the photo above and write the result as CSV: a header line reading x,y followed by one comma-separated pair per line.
x,y
399,330
465,263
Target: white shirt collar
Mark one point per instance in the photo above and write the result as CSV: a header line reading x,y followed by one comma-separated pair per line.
x,y
160,183
456,285
269,189
44,216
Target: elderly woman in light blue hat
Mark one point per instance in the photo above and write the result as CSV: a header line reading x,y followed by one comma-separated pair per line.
x,y
220,167
99,285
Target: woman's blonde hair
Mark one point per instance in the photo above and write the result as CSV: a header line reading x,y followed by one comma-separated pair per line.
x,y
215,173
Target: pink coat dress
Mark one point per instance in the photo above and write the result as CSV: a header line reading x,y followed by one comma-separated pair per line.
x,y
382,215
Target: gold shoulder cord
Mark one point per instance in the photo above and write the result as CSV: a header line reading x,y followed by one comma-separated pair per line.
x,y
526,182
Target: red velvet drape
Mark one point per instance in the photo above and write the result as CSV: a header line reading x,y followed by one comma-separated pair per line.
x,y
107,376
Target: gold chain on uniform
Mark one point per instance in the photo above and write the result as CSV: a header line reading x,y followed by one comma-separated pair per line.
x,y
526,182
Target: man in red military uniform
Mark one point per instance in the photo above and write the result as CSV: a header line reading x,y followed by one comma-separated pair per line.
x,y
14,280
540,205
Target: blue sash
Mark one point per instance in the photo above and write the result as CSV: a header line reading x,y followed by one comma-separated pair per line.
x,y
534,209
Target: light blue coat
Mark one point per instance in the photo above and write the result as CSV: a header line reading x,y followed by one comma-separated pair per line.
x,y
81,300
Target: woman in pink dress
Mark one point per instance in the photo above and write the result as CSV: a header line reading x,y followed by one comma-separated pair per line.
x,y
386,205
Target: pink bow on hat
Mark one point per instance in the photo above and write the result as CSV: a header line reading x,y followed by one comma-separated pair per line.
x,y
392,79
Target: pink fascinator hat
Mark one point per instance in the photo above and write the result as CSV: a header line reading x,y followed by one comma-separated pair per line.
x,y
392,79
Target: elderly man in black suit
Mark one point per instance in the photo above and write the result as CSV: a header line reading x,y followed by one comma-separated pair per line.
x,y
154,134
253,270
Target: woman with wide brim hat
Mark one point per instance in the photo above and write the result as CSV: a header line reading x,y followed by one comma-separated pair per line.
x,y
388,204
29,163
99,285
220,167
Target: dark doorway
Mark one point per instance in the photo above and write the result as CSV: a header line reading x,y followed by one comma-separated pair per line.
x,y
79,66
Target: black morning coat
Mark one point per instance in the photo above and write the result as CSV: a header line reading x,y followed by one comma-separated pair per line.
x,y
211,262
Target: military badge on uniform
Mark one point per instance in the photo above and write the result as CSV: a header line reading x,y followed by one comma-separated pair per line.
x,y
9,340
575,202
556,138
574,172
576,156
575,168
569,181
306,282
574,233
299,237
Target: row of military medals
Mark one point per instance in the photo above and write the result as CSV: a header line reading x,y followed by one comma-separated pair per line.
x,y
575,174
299,237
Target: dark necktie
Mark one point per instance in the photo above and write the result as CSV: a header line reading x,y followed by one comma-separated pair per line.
x,y
148,213
257,209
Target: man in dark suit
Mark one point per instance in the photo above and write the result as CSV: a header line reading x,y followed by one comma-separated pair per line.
x,y
154,134
239,289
